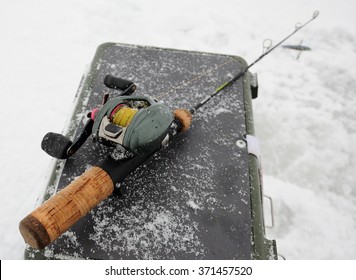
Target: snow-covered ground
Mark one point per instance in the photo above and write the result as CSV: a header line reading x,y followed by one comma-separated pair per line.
x,y
305,116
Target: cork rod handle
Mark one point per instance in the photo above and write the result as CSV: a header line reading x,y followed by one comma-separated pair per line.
x,y
46,223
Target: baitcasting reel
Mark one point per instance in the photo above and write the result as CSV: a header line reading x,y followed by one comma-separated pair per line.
x,y
136,124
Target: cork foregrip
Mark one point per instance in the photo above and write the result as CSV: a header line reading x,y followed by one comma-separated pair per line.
x,y
185,118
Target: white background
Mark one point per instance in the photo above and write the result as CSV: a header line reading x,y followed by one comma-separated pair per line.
x,y
94,270
305,116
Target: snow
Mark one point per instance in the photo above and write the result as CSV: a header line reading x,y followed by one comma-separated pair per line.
x,y
304,115
171,232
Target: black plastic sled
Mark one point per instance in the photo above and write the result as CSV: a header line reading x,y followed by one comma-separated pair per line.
x,y
198,198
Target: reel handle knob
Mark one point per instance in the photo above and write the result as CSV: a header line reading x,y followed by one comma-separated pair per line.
x,y
116,83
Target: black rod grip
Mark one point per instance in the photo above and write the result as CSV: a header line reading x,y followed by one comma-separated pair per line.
x,y
118,170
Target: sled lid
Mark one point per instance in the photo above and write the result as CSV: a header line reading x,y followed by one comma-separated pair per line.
x,y
200,198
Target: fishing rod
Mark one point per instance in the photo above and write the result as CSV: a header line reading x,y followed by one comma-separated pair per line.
x,y
139,125
244,71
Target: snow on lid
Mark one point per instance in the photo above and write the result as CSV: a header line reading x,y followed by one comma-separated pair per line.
x,y
146,233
